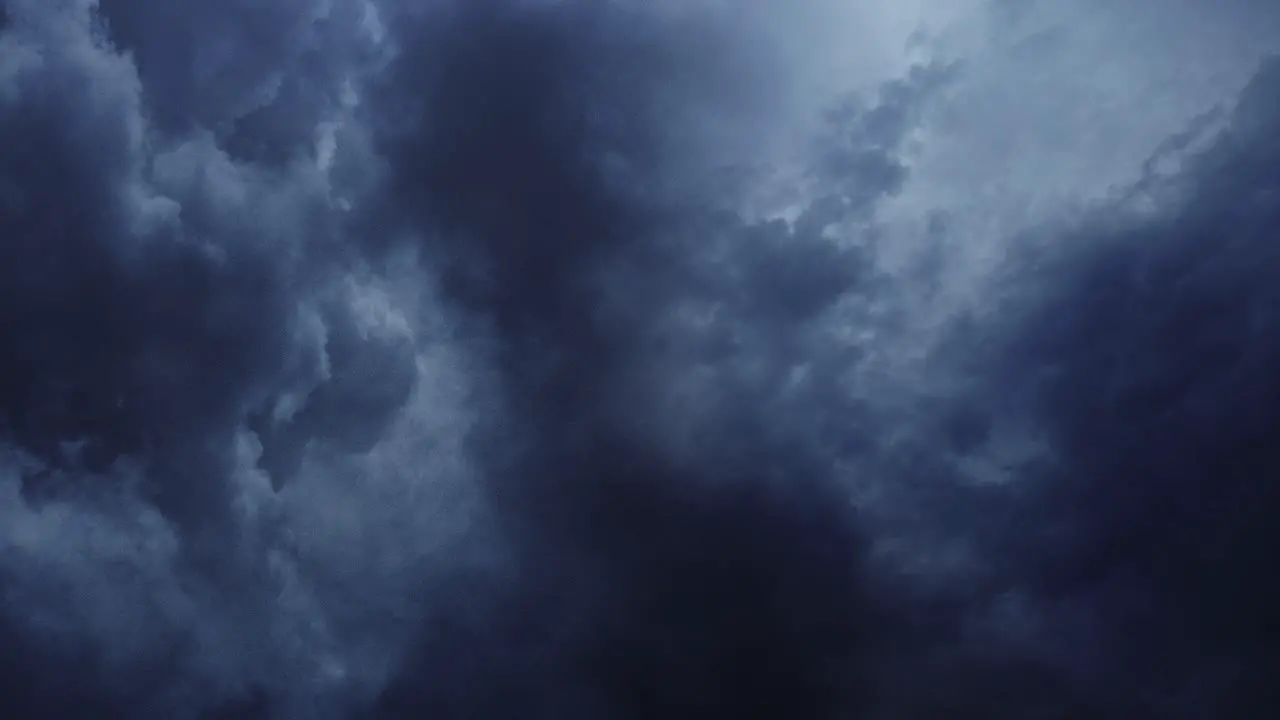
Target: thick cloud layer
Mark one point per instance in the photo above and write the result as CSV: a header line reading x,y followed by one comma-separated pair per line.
x,y
564,359
1149,358
652,584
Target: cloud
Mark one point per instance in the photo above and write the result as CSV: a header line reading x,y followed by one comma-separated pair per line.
x,y
260,76
548,170
377,359
161,294
204,359
1143,349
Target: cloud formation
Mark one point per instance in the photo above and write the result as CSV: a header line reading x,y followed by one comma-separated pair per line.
x,y
1146,355
368,359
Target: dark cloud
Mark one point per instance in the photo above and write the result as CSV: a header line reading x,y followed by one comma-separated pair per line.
x,y
259,75
136,315
369,359
156,293
174,296
156,289
1146,348
548,169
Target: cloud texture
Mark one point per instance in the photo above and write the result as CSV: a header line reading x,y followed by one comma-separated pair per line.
x,y
376,359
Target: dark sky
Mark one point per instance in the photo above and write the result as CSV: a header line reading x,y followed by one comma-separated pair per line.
x,y
624,360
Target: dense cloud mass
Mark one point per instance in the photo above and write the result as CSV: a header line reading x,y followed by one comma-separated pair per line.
x,y
380,359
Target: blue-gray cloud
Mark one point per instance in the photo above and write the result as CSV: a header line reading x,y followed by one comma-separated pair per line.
x,y
1145,350
366,359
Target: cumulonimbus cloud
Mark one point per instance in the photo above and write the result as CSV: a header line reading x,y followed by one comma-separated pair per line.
x,y
369,359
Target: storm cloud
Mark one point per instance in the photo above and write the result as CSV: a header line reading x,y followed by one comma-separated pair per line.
x,y
1147,355
376,359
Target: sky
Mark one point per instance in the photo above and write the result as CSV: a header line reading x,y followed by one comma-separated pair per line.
x,y
616,360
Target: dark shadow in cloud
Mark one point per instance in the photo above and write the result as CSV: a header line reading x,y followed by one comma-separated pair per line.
x,y
369,377
124,335
34,685
543,158
655,600
508,165
543,167
1151,358
150,294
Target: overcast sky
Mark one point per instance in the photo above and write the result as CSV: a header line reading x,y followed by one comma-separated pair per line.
x,y
620,360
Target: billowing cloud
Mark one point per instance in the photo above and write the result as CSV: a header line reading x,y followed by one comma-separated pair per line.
x,y
374,359
160,296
